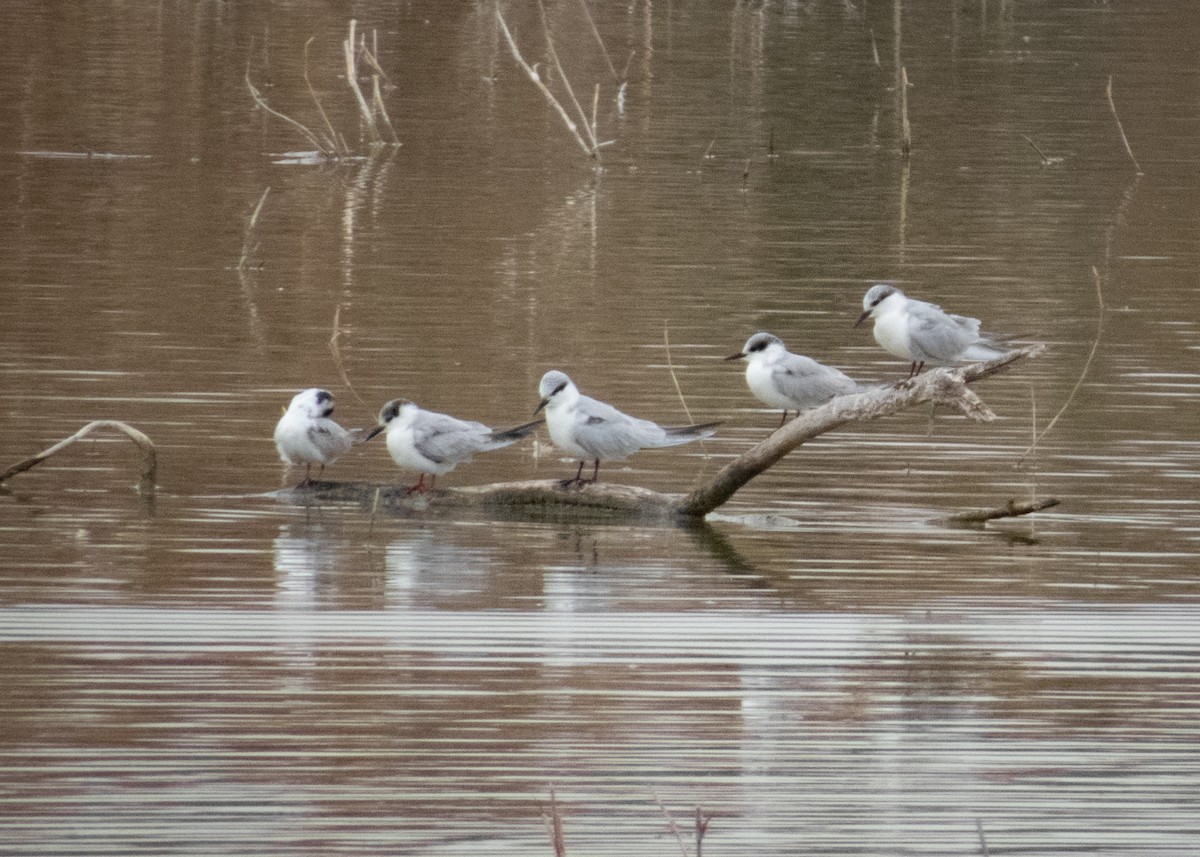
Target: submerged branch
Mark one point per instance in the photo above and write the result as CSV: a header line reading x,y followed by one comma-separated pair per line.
x,y
941,386
1012,509
143,443
549,497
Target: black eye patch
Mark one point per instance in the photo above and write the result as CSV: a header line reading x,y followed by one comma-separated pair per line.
x,y
559,388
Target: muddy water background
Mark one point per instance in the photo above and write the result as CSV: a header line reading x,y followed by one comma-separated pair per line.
x,y
223,671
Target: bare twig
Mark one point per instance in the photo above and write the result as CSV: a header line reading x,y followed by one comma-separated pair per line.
x,y
337,353
671,824
983,846
377,101
312,138
249,245
537,81
671,369
905,128
1012,509
702,821
332,134
377,104
1082,375
562,75
1128,149
1047,160
587,13
144,444
554,828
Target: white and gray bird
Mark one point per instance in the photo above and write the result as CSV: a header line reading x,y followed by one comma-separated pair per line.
x,y
307,435
592,430
923,332
790,381
432,443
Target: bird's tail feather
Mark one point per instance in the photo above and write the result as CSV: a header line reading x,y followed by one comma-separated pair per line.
x,y
985,349
512,435
674,435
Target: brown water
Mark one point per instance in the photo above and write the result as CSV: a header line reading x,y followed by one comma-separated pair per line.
x,y
823,669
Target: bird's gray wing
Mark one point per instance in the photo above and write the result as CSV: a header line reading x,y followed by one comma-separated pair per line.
x,y
938,336
330,439
606,433
442,438
809,383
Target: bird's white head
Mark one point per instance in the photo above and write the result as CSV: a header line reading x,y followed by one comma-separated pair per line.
x,y
877,297
555,389
760,345
313,402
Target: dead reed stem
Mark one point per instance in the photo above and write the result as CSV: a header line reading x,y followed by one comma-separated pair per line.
x,y
1082,375
332,138
249,244
546,93
562,75
146,483
983,846
905,128
672,825
336,351
1121,128
312,138
554,828
671,369
702,821
587,13
364,109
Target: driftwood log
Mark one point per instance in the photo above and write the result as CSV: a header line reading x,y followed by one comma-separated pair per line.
x,y
548,498
146,483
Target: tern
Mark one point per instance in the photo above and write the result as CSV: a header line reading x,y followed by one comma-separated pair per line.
x,y
432,443
592,430
790,381
307,435
923,332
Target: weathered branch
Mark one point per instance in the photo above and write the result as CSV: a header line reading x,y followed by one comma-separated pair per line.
x,y
547,497
149,455
941,386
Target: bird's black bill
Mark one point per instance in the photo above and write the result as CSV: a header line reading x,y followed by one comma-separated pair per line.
x,y
737,356
866,314
541,405
377,430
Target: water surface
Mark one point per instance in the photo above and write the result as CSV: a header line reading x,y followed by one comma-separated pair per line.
x,y
823,667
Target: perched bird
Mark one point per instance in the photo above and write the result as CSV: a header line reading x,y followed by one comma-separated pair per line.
x,y
306,435
922,332
790,381
432,443
590,429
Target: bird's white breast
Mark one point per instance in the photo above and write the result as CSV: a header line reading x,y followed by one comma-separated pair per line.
x,y
891,332
760,380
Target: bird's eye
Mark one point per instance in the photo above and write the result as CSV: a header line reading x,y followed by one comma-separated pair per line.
x,y
758,346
